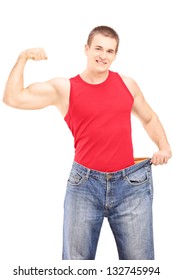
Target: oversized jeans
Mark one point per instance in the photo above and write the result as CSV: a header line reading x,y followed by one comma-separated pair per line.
x,y
123,197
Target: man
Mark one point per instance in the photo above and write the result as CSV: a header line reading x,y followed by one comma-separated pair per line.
x,y
105,180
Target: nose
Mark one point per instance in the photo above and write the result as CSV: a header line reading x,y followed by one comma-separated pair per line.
x,y
103,55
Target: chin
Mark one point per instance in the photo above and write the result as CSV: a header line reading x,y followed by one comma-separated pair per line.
x,y
102,69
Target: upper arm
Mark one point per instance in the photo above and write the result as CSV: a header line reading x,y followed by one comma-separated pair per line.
x,y
141,108
41,95
37,96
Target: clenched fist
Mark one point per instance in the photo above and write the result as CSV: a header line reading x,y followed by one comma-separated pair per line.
x,y
35,54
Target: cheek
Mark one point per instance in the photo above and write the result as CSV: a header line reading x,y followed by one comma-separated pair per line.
x,y
111,58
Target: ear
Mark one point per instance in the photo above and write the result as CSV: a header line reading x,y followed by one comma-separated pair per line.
x,y
86,49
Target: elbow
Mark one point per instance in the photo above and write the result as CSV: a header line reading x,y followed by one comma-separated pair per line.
x,y
151,121
5,99
10,101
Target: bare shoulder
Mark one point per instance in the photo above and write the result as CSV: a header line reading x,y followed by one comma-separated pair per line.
x,y
140,108
131,85
62,85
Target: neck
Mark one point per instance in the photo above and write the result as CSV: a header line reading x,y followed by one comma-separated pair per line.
x,y
94,77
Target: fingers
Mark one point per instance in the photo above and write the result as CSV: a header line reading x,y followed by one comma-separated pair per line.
x,y
35,54
39,54
159,161
160,158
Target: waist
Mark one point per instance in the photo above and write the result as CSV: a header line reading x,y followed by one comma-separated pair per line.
x,y
138,163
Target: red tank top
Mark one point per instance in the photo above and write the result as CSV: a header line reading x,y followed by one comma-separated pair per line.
x,y
99,117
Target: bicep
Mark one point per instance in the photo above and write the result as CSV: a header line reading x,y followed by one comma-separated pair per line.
x,y
37,96
142,110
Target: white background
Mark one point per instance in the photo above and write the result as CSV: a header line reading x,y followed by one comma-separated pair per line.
x,y
36,147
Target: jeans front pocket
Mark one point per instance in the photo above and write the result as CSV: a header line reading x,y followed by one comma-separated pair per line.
x,y
75,178
138,177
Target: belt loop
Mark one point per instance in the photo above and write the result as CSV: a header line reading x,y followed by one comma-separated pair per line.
x,y
87,173
124,173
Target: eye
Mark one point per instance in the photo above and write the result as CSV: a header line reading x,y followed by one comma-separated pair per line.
x,y
110,51
98,48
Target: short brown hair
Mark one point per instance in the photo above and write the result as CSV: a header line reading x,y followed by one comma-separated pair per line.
x,y
105,31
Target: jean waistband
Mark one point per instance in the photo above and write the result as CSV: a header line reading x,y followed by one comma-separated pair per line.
x,y
120,173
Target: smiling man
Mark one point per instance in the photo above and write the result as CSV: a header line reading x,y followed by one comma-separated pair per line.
x,y
105,179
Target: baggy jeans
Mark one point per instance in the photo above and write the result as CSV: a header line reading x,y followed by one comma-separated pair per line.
x,y
123,197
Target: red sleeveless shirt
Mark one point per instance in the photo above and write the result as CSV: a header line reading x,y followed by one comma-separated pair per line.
x,y
99,117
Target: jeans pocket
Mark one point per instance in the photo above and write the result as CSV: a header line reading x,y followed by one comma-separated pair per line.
x,y
138,177
75,178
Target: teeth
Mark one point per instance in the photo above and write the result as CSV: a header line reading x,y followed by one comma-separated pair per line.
x,y
101,62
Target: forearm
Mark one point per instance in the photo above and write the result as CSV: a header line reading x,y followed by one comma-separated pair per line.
x,y
15,82
157,133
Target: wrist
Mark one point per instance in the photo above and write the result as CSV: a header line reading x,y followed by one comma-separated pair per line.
x,y
23,57
166,150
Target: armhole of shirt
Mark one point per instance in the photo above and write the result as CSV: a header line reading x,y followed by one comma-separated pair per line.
x,y
123,83
67,116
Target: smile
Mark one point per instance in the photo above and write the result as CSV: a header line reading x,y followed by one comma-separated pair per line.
x,y
101,62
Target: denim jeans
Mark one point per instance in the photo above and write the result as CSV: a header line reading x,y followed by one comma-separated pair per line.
x,y
123,197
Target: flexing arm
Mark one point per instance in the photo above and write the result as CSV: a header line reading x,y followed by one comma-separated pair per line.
x,y
37,95
151,123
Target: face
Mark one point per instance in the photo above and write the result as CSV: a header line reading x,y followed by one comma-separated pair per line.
x,y
101,53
